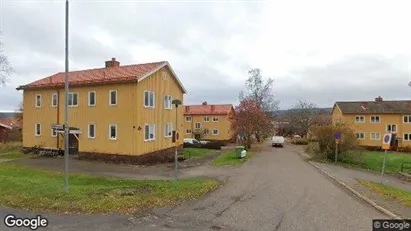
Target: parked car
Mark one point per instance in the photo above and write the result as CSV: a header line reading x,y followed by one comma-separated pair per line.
x,y
277,141
204,142
191,141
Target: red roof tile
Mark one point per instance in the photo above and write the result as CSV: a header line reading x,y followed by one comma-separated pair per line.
x,y
216,109
115,74
10,122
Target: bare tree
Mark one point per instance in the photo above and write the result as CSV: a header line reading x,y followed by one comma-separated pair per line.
x,y
5,67
260,91
302,116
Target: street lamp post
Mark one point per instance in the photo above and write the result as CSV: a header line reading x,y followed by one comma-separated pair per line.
x,y
66,124
176,102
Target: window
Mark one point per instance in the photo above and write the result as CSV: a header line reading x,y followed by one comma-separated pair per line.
x,y
360,135
359,119
149,132
72,99
206,118
215,119
197,125
92,131
391,128
407,136
215,132
167,102
113,97
54,100
188,131
38,100
149,99
168,129
375,119
407,119
53,132
375,136
206,132
37,129
188,118
112,131
92,98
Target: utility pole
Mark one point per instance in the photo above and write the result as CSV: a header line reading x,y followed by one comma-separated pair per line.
x,y
66,124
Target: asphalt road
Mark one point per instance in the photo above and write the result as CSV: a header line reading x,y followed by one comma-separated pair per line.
x,y
275,190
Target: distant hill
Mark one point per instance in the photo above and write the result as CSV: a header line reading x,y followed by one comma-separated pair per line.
x,y
8,114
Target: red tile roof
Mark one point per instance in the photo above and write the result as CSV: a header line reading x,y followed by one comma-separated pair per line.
x,y
115,74
216,109
10,122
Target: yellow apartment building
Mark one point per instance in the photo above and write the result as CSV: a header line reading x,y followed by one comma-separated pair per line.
x,y
119,112
208,122
370,120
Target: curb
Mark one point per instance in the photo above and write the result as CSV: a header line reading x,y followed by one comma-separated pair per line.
x,y
353,191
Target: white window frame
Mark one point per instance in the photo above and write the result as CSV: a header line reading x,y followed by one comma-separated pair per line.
x,y
53,133
52,99
191,132
216,119
207,120
167,102
150,95
359,135
168,130
38,101
151,129
206,133
71,94
375,116
189,118
37,131
109,132
408,119
199,125
109,98
218,132
94,125
95,98
359,120
396,128
375,133
409,136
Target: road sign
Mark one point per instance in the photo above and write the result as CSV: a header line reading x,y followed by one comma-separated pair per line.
x,y
57,127
337,135
337,141
386,141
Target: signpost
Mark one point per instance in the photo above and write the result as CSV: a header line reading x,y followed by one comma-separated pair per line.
x,y
386,144
337,137
175,138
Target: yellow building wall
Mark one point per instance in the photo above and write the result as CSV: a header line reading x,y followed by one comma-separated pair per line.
x,y
129,115
223,125
367,127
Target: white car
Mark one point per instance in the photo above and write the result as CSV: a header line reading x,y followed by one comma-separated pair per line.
x,y
277,141
191,141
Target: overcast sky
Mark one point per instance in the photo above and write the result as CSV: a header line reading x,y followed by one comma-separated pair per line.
x,y
317,50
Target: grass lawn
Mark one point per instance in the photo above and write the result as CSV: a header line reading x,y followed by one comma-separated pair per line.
x,y
43,191
197,152
229,158
390,192
12,150
374,160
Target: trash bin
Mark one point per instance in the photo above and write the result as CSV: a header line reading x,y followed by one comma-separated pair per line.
x,y
238,150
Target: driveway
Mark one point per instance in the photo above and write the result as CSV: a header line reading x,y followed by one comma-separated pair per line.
x,y
275,190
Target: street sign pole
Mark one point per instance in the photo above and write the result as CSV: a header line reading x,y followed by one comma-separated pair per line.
x,y
66,125
383,166
336,151
337,136
176,102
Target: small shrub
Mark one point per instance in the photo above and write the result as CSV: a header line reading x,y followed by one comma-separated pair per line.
x,y
300,141
404,149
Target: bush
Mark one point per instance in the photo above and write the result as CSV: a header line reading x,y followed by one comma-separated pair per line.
x,y
404,149
326,143
299,141
312,139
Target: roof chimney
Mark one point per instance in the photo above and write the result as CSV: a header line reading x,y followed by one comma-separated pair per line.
x,y
204,103
112,63
378,99
212,107
187,108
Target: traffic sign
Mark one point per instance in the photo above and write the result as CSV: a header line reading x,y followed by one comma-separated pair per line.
x,y
337,135
386,141
57,127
